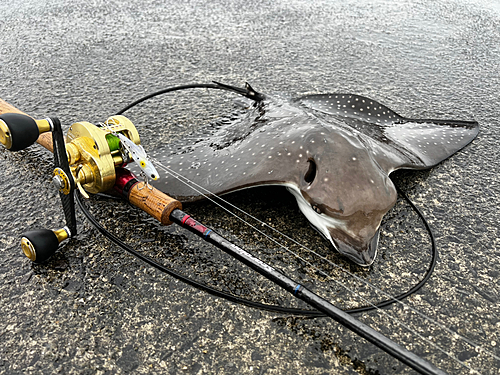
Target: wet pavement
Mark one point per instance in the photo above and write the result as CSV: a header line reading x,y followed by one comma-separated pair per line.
x,y
95,309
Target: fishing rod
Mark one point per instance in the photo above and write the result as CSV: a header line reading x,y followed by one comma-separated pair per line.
x,y
91,160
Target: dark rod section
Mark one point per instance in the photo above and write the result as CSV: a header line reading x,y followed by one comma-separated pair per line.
x,y
415,362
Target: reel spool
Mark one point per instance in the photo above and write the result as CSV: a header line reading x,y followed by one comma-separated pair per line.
x,y
87,162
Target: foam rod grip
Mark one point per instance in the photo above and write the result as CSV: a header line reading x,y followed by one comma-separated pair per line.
x,y
154,202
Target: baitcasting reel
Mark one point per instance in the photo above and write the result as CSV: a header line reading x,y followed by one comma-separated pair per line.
x,y
87,161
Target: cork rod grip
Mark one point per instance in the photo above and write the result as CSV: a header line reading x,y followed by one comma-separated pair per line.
x,y
45,140
8,108
154,202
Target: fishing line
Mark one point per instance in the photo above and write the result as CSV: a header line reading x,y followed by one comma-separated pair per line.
x,y
391,298
231,297
387,302
185,279
373,306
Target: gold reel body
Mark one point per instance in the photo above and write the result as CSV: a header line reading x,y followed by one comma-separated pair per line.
x,y
92,151
91,160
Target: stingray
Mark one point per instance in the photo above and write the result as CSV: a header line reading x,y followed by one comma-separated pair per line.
x,y
333,152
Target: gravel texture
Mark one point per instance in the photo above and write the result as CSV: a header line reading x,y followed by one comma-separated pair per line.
x,y
93,309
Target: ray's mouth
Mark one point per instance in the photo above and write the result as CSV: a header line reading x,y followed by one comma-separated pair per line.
x,y
363,257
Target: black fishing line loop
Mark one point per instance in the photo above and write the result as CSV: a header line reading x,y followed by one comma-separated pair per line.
x,y
250,93
244,301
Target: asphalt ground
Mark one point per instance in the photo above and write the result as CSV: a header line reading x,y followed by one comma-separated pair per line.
x,y
93,309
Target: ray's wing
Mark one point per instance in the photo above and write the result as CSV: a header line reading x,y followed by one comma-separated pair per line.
x,y
406,143
219,166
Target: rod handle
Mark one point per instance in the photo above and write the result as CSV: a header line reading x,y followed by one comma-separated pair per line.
x,y
153,201
8,108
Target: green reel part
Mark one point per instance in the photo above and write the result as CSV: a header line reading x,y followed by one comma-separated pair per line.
x,y
113,142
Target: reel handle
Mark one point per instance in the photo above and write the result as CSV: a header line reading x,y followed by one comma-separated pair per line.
x,y
19,131
40,244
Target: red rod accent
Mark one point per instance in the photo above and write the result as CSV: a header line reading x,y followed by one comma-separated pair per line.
x,y
184,219
123,177
192,223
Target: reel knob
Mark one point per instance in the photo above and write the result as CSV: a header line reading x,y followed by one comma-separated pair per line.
x,y
18,131
40,244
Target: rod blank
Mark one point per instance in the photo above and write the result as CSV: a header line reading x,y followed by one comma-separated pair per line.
x,y
412,360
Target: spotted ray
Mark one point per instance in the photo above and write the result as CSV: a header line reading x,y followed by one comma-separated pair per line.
x,y
333,152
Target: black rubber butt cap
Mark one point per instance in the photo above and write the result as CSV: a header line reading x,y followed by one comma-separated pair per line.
x,y
39,245
23,130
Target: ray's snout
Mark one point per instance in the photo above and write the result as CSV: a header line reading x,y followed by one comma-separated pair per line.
x,y
361,254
